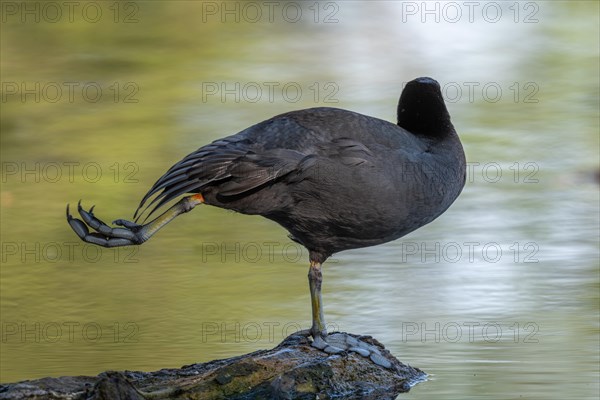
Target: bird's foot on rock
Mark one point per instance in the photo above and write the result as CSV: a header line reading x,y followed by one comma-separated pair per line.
x,y
339,342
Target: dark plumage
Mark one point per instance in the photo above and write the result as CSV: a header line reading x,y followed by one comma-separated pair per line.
x,y
335,179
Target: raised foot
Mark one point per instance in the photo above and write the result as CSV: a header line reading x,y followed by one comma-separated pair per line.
x,y
104,235
339,342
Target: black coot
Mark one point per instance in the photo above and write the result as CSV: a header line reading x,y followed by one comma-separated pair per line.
x,y
335,179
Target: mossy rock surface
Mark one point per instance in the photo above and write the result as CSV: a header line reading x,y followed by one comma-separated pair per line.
x,y
292,370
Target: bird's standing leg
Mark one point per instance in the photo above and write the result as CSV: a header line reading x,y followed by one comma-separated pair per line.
x,y
315,278
336,342
130,233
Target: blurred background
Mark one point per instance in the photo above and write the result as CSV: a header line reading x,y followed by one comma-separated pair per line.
x,y
498,298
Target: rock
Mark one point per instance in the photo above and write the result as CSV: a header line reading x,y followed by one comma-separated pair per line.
x,y
292,370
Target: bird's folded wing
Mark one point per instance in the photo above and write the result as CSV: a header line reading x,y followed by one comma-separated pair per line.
x,y
237,166
233,166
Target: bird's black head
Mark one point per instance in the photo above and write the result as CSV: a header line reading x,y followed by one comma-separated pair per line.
x,y
421,109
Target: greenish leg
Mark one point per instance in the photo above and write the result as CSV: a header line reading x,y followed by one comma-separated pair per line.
x,y
315,278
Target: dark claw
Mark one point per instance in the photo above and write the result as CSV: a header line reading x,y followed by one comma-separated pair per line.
x,y
94,222
105,235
